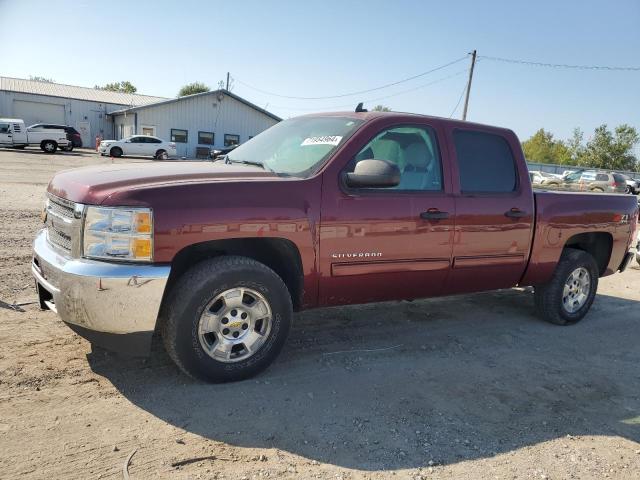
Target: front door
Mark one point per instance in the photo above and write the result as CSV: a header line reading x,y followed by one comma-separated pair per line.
x,y
494,211
135,146
388,243
84,128
6,138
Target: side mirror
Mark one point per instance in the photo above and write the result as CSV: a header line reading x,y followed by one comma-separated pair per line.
x,y
373,174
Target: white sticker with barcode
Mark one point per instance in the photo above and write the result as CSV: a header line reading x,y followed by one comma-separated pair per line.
x,y
324,140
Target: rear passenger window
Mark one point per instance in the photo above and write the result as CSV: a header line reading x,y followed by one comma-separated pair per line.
x,y
485,162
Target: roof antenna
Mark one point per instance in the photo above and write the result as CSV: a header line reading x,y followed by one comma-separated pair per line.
x,y
360,108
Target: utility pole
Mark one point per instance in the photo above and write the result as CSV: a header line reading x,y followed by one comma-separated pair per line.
x,y
466,100
228,82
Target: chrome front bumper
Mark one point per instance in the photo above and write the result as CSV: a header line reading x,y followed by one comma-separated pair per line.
x,y
113,305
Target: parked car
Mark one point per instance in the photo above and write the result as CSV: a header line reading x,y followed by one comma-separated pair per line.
x,y
320,210
633,185
138,146
592,181
72,134
539,178
217,153
13,133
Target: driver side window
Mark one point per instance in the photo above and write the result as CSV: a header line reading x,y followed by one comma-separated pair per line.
x,y
413,150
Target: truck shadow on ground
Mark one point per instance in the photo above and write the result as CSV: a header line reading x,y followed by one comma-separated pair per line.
x,y
400,385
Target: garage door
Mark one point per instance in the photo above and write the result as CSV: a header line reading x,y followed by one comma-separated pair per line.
x,y
38,112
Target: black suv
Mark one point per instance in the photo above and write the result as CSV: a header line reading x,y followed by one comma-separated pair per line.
x,y
72,134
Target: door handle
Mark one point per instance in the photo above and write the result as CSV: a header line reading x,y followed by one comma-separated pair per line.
x,y
515,213
434,214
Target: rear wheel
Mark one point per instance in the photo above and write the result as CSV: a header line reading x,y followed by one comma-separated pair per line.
x,y
567,298
226,319
49,146
115,152
597,190
161,155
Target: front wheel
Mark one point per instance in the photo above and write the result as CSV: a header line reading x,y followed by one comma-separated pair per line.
x,y
567,298
226,319
116,152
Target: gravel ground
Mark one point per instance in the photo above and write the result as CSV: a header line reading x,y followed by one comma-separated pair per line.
x,y
463,387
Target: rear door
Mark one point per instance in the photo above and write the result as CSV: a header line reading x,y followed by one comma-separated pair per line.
x,y
494,210
152,145
388,243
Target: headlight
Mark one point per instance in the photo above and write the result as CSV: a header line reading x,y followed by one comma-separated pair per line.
x,y
118,233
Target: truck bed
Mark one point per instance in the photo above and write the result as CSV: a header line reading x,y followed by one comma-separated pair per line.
x,y
574,217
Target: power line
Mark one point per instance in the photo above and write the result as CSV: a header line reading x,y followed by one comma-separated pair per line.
x,y
266,92
456,74
559,65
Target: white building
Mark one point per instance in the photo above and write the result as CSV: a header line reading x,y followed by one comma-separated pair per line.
x,y
196,123
86,109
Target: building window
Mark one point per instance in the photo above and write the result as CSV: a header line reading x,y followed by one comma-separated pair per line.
x,y
230,140
179,136
149,130
205,138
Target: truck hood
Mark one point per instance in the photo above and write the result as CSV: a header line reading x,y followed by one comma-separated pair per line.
x,y
92,185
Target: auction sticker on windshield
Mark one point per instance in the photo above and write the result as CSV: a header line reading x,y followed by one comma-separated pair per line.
x,y
324,140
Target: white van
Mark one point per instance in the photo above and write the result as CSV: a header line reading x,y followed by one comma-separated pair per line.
x,y
13,133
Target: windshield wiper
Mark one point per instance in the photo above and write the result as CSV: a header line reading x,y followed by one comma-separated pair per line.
x,y
228,160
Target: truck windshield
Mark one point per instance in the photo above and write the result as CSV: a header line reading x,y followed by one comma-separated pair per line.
x,y
296,147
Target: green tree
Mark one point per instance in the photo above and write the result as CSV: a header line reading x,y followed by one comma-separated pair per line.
x,y
543,148
380,108
612,150
193,88
125,87
37,78
576,147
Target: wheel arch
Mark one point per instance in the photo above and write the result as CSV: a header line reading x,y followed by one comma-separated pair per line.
x,y
598,244
279,254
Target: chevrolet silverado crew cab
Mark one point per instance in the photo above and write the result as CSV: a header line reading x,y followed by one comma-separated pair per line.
x,y
319,210
14,134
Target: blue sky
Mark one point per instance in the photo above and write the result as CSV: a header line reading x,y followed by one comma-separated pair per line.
x,y
323,48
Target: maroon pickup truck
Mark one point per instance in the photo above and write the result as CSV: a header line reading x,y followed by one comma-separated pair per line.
x,y
320,210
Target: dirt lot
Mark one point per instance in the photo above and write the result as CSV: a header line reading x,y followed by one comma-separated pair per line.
x,y
467,387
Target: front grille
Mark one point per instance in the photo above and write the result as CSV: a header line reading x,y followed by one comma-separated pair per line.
x,y
61,223
61,206
59,239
